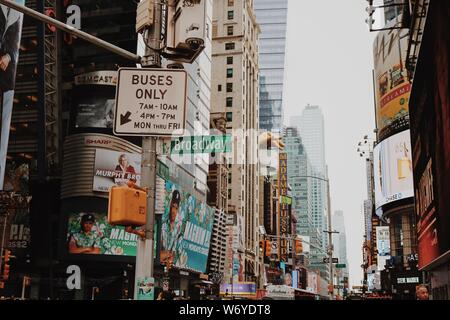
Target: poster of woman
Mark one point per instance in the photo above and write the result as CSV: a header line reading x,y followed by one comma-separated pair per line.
x,y
10,31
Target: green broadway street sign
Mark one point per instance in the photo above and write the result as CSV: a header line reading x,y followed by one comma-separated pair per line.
x,y
201,144
341,265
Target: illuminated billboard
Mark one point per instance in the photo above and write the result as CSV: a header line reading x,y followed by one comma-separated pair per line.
x,y
186,229
94,99
392,88
90,233
393,169
115,168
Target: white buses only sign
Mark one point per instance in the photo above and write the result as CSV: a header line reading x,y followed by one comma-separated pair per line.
x,y
150,102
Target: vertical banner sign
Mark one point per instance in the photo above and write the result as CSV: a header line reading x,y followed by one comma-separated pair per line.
x,y
10,32
284,207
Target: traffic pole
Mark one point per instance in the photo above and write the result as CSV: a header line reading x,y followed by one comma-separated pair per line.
x,y
330,243
144,259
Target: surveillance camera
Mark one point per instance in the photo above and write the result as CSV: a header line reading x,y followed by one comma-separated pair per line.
x,y
194,43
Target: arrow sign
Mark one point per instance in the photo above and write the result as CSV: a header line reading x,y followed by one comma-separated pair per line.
x,y
125,118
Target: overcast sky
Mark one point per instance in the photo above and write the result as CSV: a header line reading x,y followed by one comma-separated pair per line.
x,y
329,63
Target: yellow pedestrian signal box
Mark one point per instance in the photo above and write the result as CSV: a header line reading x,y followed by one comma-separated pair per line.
x,y
127,206
298,247
268,247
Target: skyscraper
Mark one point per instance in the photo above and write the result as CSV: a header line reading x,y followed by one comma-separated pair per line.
x,y
339,239
311,128
235,93
299,168
272,18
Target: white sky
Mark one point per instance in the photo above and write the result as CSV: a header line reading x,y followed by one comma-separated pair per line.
x,y
329,63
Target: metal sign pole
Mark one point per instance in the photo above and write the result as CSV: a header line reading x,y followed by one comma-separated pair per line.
x,y
144,258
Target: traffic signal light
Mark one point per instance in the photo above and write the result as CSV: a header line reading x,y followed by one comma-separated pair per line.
x,y
330,288
5,268
6,256
261,246
268,248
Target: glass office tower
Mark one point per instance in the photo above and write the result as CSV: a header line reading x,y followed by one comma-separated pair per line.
x,y
272,18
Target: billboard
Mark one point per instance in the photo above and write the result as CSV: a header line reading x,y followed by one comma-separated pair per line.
x,y
94,99
431,142
10,33
312,282
186,229
115,168
393,169
383,246
383,243
90,233
392,88
240,288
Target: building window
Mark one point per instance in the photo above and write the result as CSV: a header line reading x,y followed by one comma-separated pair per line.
x,y
229,102
230,30
229,73
219,87
229,46
229,60
229,194
230,3
230,116
230,15
214,30
229,87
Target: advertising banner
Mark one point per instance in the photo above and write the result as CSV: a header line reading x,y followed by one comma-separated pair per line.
x,y
280,292
392,88
283,216
240,288
383,243
393,169
17,229
295,276
10,33
312,282
115,168
186,229
94,99
90,233
146,288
